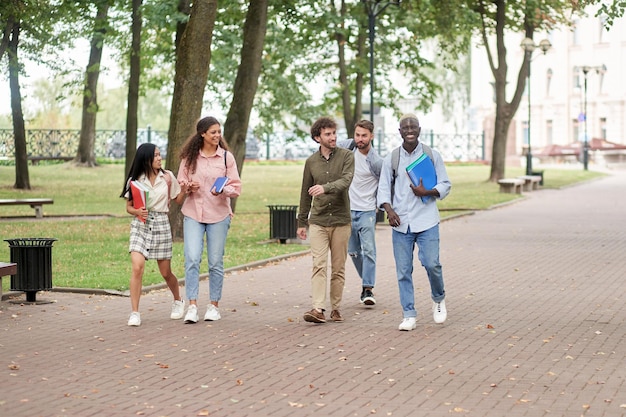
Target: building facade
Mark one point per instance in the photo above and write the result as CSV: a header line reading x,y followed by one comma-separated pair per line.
x,y
575,91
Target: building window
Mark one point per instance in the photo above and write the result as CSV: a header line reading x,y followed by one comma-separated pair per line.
x,y
548,81
575,32
576,130
601,28
576,77
603,127
525,131
549,132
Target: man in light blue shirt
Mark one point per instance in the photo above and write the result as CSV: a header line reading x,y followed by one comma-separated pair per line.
x,y
414,221
362,243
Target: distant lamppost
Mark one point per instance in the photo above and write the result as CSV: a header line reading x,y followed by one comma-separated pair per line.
x,y
528,45
601,69
374,8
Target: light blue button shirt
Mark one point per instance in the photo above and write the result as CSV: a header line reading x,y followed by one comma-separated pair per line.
x,y
412,211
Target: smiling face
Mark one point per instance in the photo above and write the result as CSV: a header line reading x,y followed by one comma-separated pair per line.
x,y
213,135
327,138
410,131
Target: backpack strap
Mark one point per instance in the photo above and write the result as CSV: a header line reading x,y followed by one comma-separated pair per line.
x,y
352,145
395,162
168,180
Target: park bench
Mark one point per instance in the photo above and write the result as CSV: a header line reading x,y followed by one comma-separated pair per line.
x,y
36,203
5,270
531,182
35,159
511,185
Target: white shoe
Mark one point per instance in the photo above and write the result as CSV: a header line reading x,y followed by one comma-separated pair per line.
x,y
178,309
192,314
440,314
408,323
134,319
212,313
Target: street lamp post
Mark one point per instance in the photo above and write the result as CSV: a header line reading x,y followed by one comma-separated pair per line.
x,y
528,45
600,69
374,8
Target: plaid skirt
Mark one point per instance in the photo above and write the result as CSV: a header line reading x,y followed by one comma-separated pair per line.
x,y
153,239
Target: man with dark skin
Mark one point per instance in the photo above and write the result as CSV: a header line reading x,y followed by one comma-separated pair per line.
x,y
414,221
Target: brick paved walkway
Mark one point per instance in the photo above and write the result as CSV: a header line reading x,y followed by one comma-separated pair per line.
x,y
536,327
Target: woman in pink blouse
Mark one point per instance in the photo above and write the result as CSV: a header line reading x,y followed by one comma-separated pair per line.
x,y
205,158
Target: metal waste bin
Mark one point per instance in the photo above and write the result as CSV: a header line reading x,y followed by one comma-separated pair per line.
x,y
33,257
283,222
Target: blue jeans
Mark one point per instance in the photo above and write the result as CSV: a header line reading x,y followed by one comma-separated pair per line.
x,y
428,253
362,245
194,244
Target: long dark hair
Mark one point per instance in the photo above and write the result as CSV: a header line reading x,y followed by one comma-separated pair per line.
x,y
191,148
142,164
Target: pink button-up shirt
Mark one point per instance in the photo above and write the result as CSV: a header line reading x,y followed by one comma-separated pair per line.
x,y
202,206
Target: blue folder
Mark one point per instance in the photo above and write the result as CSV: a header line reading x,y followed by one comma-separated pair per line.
x,y
423,168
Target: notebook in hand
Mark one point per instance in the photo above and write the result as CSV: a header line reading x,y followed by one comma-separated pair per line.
x,y
423,168
219,184
140,196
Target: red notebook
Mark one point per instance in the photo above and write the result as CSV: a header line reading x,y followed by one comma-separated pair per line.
x,y
140,196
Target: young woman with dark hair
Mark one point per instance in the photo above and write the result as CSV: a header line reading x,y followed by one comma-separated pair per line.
x,y
150,232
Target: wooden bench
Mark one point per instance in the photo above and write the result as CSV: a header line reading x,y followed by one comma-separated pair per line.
x,y
6,269
36,203
35,159
511,185
531,182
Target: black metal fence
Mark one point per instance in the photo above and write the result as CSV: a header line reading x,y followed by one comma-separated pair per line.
x,y
63,143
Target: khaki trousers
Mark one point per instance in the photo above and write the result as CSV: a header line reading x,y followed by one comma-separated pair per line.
x,y
324,239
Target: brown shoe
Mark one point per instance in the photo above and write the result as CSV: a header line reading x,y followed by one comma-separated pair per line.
x,y
335,315
315,316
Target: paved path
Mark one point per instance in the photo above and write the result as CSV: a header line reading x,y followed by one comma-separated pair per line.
x,y
536,327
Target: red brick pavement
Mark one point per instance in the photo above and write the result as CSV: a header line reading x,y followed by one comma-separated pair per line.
x,y
536,327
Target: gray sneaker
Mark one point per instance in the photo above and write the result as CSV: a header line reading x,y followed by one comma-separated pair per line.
x,y
192,314
212,313
178,309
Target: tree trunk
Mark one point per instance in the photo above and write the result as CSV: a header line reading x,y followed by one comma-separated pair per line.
x,y
86,147
193,56
133,86
247,81
6,35
504,110
22,180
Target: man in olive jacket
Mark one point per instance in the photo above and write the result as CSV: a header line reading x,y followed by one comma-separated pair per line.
x,y
325,209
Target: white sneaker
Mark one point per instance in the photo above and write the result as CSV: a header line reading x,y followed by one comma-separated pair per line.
x,y
192,314
134,319
178,309
212,313
408,323
439,312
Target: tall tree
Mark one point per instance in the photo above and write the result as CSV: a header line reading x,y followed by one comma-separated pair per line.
x,y
22,179
132,107
247,81
86,147
495,19
193,56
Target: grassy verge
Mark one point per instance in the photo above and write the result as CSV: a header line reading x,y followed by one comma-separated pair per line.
x,y
92,252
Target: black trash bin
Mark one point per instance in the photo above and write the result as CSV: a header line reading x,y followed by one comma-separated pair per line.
x,y
283,222
33,257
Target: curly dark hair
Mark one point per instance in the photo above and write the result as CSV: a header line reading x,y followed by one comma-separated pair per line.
x,y
191,148
322,123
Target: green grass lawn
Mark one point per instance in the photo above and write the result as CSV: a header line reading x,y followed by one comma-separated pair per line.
x,y
93,252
